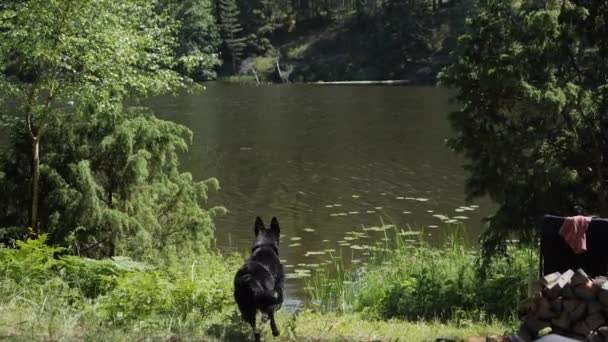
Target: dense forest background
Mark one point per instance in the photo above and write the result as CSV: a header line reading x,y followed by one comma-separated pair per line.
x,y
530,78
94,171
312,40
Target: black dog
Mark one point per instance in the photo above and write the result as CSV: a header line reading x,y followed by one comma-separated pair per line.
x,y
258,285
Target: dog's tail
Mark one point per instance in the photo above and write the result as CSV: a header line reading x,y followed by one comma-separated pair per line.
x,y
264,297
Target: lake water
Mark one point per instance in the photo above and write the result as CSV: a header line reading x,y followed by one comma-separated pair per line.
x,y
326,160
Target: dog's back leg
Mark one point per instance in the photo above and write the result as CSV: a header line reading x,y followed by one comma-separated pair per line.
x,y
249,317
273,324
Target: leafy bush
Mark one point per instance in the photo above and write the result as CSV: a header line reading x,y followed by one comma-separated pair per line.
x,y
117,291
96,277
201,289
33,262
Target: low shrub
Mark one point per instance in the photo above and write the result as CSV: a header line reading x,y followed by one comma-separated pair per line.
x,y
43,292
201,290
32,262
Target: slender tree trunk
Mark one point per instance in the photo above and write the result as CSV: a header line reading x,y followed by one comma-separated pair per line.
x,y
110,197
257,79
35,183
36,133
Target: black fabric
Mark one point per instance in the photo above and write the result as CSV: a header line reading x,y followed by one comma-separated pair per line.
x,y
556,338
557,256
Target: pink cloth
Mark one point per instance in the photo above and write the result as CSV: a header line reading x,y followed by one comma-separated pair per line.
x,y
574,232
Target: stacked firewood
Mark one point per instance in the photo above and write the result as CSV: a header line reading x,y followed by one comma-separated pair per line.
x,y
571,304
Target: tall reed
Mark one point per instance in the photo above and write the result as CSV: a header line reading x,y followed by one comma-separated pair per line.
x,y
408,278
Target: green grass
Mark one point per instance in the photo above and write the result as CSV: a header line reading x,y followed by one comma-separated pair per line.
x,y
410,280
409,290
305,326
312,326
248,79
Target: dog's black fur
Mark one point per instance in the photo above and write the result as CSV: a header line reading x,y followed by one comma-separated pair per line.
x,y
258,284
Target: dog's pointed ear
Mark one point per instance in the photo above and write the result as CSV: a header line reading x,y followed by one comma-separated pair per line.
x,y
274,226
259,226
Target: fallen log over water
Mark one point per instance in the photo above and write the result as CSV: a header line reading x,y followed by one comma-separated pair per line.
x,y
385,82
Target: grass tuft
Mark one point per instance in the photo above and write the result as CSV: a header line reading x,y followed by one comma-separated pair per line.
x,y
408,279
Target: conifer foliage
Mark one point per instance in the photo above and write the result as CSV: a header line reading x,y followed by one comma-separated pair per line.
x,y
263,19
232,30
92,173
199,38
532,81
